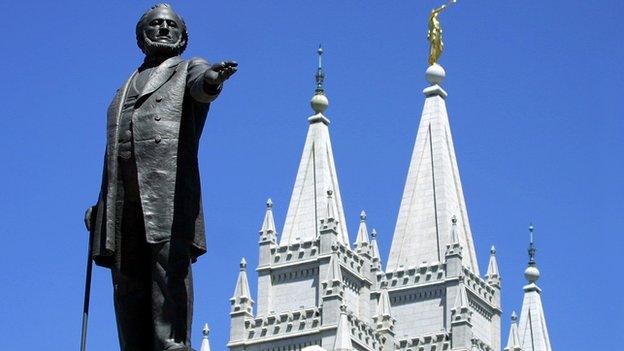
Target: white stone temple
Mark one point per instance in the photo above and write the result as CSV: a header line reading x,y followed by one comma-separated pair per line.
x,y
317,292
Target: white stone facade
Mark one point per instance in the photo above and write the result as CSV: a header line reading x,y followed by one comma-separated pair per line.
x,y
315,292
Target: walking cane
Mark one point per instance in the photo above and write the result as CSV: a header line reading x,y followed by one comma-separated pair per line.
x,y
87,290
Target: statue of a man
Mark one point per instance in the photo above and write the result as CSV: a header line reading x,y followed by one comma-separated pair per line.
x,y
148,225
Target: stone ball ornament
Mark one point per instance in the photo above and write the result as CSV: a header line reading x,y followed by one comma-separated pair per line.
x,y
435,74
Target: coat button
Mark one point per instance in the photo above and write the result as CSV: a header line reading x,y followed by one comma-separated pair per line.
x,y
157,118
159,98
157,139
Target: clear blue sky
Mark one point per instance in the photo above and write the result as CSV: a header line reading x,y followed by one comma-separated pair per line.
x,y
534,101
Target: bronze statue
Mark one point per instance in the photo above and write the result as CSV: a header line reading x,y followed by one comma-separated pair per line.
x,y
147,226
434,34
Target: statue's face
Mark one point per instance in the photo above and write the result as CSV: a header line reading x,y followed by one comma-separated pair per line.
x,y
162,33
162,26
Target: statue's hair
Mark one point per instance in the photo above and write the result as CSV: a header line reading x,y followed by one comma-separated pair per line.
x,y
140,24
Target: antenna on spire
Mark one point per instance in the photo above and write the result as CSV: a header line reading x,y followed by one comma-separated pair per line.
x,y
320,75
532,248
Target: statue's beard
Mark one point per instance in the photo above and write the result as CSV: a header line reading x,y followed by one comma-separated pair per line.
x,y
154,49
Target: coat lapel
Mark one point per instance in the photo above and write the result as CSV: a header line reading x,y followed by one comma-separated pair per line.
x,y
161,75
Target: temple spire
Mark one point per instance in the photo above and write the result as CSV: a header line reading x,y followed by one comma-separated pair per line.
x,y
316,175
362,241
242,292
513,342
268,224
493,274
384,306
343,333
375,245
433,191
205,345
532,328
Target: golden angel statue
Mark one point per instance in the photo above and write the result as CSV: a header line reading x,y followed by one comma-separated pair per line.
x,y
434,34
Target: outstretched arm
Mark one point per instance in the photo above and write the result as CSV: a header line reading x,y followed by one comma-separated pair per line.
x,y
205,80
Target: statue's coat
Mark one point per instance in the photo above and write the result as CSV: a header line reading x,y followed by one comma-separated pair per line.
x,y
167,123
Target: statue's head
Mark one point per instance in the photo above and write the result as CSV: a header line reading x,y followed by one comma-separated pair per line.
x,y
161,32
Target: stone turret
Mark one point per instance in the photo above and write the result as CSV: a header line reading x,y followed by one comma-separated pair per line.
x,y
384,322
461,323
333,290
513,342
242,305
266,246
362,242
493,274
343,333
375,256
205,345
453,255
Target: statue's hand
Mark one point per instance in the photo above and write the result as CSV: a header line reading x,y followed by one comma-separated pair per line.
x,y
87,218
220,72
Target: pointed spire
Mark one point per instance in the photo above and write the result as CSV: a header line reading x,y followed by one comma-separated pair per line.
x,y
433,191
374,252
374,245
242,292
461,301
316,174
205,345
493,274
513,342
343,333
384,306
268,224
532,326
454,248
362,237
334,274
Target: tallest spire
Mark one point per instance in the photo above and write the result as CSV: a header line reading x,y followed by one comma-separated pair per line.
x,y
315,177
433,191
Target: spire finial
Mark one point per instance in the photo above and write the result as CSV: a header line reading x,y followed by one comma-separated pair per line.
x,y
243,264
374,233
206,331
319,101
320,75
532,274
514,317
492,250
531,246
362,216
269,203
